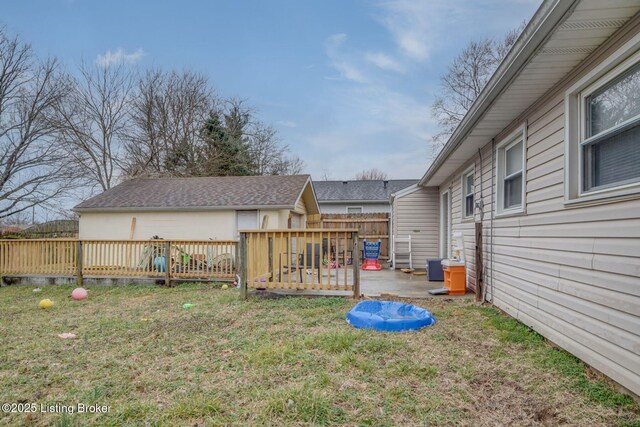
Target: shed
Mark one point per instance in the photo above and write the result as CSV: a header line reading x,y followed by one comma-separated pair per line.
x,y
197,208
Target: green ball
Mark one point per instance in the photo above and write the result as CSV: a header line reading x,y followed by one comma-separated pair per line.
x,y
225,286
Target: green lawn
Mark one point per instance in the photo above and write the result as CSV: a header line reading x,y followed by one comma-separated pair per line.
x,y
290,361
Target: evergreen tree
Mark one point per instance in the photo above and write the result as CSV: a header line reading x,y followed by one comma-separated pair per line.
x,y
224,154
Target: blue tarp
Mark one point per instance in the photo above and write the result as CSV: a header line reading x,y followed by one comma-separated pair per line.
x,y
389,316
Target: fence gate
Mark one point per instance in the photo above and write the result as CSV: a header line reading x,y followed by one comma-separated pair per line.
x,y
300,259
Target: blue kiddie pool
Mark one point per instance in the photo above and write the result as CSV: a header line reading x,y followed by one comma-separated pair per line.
x,y
389,316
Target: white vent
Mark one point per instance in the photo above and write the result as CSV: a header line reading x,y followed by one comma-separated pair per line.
x,y
593,24
568,50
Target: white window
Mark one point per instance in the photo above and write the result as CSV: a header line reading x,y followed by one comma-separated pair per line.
x,y
467,194
603,129
510,171
354,209
610,141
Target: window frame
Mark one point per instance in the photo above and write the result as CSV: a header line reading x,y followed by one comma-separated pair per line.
x,y
607,71
354,207
583,141
463,183
516,137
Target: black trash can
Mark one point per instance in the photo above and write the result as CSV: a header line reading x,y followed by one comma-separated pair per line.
x,y
434,270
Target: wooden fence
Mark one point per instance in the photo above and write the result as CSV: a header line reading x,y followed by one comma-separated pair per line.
x,y
166,259
370,226
306,259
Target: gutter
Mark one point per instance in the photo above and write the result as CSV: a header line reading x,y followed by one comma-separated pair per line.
x,y
546,19
180,209
329,202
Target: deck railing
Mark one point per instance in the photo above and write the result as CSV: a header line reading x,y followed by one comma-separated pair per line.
x,y
166,259
306,259
41,257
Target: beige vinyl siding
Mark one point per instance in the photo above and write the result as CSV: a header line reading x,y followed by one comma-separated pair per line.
x,y
417,214
301,207
216,225
570,273
202,225
301,211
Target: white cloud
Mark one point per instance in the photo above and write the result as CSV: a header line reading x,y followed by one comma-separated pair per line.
x,y
411,25
288,123
384,61
418,28
340,61
119,56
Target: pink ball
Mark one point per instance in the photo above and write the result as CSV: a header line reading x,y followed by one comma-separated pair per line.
x,y
79,294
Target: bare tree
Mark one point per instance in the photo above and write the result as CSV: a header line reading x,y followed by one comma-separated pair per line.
x,y
180,128
20,219
465,79
32,167
293,165
144,142
373,174
167,118
266,151
93,120
268,155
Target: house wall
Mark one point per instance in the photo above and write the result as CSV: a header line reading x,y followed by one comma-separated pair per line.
x,y
201,225
417,214
341,208
570,273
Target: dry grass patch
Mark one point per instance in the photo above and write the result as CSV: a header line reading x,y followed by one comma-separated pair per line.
x,y
290,361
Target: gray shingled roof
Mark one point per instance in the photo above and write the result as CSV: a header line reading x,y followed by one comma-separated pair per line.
x,y
327,191
207,192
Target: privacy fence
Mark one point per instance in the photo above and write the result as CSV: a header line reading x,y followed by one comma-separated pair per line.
x,y
370,226
163,259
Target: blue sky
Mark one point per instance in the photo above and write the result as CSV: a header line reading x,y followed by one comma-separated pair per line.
x,y
347,84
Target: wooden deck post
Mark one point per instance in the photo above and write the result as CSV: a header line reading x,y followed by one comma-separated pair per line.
x,y
355,263
167,263
79,263
242,265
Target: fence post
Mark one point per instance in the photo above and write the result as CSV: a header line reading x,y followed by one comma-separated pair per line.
x,y
355,263
242,265
79,263
167,263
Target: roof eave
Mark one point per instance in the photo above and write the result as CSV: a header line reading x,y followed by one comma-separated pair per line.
x,y
547,18
178,209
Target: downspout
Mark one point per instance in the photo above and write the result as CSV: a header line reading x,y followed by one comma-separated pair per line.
x,y
480,206
392,255
450,224
493,209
